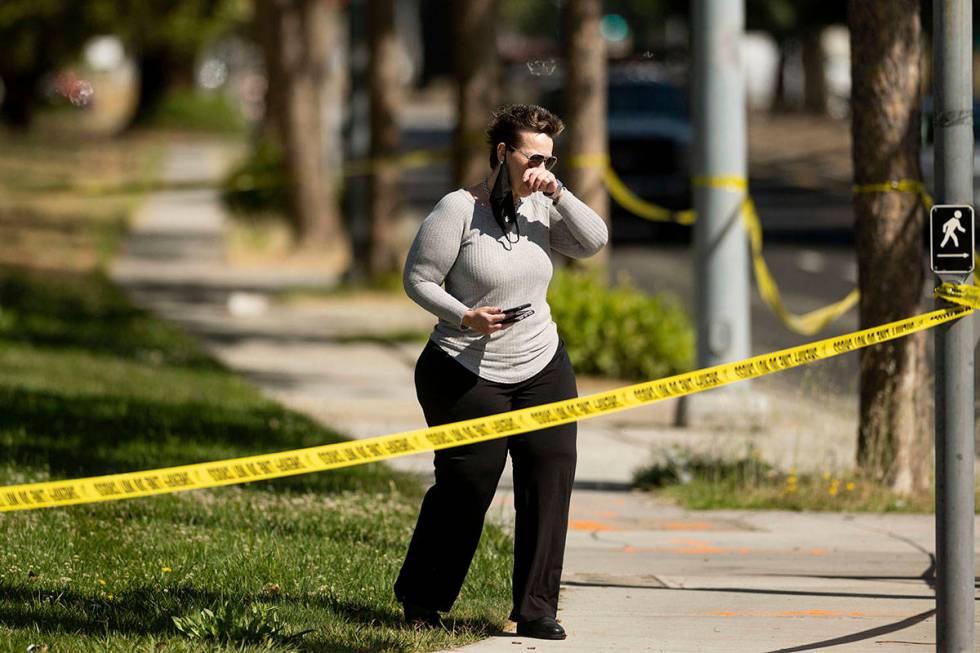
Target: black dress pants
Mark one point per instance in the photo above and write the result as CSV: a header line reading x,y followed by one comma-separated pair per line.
x,y
451,518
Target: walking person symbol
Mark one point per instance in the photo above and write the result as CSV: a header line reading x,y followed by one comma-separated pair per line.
x,y
950,227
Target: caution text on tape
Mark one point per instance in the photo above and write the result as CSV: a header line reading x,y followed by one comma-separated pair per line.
x,y
345,454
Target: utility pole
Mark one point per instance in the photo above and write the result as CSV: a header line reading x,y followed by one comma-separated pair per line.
x,y
953,111
721,247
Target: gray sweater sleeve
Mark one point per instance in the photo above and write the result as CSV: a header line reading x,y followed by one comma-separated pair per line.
x,y
576,230
430,258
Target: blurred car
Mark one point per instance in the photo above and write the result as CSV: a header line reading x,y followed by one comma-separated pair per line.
x,y
650,138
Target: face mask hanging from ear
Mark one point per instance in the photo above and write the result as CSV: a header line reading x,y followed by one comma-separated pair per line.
x,y
502,201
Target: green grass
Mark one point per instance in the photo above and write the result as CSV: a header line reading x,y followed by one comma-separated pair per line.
x,y
89,385
188,109
722,482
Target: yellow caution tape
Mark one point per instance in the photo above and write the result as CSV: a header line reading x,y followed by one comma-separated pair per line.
x,y
345,454
961,294
626,198
911,186
806,324
897,186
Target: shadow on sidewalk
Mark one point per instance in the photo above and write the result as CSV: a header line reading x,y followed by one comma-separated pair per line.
x,y
738,590
864,634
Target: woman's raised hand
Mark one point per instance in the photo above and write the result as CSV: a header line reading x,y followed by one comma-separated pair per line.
x,y
538,178
485,319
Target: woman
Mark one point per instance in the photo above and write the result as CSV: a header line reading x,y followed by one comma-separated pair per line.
x,y
482,250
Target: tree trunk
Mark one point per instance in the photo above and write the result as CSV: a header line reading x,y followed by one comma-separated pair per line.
x,y
894,438
19,99
585,86
476,70
814,76
158,71
778,104
308,30
267,35
384,80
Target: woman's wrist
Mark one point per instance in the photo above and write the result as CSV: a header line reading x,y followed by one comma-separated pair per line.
x,y
556,194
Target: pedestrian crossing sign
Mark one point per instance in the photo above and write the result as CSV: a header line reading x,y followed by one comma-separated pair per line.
x,y
951,239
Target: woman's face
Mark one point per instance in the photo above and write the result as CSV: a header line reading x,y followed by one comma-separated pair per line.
x,y
529,144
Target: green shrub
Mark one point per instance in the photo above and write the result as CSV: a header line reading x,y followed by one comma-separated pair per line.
x,y
258,184
682,466
198,111
728,480
246,624
619,331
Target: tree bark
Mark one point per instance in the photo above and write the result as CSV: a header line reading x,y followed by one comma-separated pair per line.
x,y
267,35
385,86
585,86
159,70
814,76
307,30
778,104
19,100
476,70
894,437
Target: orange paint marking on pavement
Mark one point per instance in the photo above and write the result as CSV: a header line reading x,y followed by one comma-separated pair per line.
x,y
788,613
683,546
698,550
767,613
818,551
602,513
688,526
694,547
588,525
688,542
701,547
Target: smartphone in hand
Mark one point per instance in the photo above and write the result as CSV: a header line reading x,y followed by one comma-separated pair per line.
x,y
516,309
517,317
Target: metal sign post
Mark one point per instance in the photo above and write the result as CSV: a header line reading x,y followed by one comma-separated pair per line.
x,y
951,236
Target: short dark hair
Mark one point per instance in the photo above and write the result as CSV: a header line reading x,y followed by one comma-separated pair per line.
x,y
508,120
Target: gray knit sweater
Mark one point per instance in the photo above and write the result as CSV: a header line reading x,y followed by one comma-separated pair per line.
x,y
461,259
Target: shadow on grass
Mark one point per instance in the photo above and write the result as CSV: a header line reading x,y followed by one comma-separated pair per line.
x,y
143,611
73,432
86,311
372,616
147,611
90,435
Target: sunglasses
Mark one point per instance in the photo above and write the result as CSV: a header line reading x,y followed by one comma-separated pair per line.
x,y
534,160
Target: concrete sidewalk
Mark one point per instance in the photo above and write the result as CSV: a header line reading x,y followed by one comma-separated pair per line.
x,y
640,575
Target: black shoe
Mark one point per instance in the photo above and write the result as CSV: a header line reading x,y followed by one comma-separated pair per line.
x,y
543,628
416,615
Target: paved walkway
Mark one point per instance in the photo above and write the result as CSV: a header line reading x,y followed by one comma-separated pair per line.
x,y
640,575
